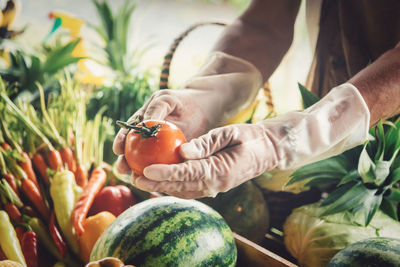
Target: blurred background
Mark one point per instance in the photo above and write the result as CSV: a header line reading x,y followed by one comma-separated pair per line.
x,y
153,27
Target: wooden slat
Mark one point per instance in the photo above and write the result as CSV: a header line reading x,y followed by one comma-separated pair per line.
x,y
251,254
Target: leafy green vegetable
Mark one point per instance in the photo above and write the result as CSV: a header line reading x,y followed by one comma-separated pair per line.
x,y
314,239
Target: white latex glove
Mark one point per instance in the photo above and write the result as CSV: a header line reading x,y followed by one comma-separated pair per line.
x,y
228,156
223,85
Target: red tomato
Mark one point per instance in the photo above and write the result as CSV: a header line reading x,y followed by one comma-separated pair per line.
x,y
153,142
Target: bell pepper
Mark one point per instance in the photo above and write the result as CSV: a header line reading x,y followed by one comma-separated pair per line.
x,y
94,226
65,192
115,199
9,241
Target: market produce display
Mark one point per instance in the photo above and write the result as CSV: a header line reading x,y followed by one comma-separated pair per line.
x,y
168,231
62,204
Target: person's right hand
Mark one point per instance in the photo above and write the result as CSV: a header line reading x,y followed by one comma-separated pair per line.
x,y
223,85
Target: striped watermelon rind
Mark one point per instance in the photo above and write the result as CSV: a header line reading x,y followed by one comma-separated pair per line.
x,y
377,251
168,231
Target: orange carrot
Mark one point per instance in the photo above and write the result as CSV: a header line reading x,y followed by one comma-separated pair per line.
x,y
68,158
12,182
6,146
41,166
27,167
13,212
55,161
81,175
82,206
33,193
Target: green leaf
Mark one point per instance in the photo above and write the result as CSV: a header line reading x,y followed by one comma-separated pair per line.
x,y
366,168
334,167
395,175
60,57
369,207
389,208
394,195
382,171
106,17
308,97
319,175
322,181
337,193
392,137
350,199
380,137
350,176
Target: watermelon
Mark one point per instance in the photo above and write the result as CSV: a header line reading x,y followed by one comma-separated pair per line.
x,y
371,252
168,231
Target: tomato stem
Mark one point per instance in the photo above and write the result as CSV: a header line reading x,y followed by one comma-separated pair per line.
x,y
143,130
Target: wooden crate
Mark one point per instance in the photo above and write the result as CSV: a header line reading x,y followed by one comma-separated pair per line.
x,y
251,254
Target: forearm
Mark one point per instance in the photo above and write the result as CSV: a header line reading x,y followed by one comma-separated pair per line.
x,y
379,84
262,34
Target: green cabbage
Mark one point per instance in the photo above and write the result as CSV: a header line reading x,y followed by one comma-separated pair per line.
x,y
314,240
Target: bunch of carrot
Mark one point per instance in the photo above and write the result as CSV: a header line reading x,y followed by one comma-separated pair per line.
x,y
50,173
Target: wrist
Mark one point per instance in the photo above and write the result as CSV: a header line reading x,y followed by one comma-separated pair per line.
x,y
336,123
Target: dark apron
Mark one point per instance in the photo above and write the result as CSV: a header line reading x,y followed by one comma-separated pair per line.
x,y
353,33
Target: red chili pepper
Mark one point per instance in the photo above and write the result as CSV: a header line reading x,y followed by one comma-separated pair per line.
x,y
56,236
13,212
30,248
2,255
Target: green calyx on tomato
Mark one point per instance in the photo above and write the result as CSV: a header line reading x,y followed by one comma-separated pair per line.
x,y
152,142
144,131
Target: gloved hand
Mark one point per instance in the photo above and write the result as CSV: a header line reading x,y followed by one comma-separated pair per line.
x,y
228,156
223,85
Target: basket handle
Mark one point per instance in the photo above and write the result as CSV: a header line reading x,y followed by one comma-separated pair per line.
x,y
168,57
165,70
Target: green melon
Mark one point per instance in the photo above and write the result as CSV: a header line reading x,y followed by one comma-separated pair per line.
x,y
244,209
371,252
168,231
